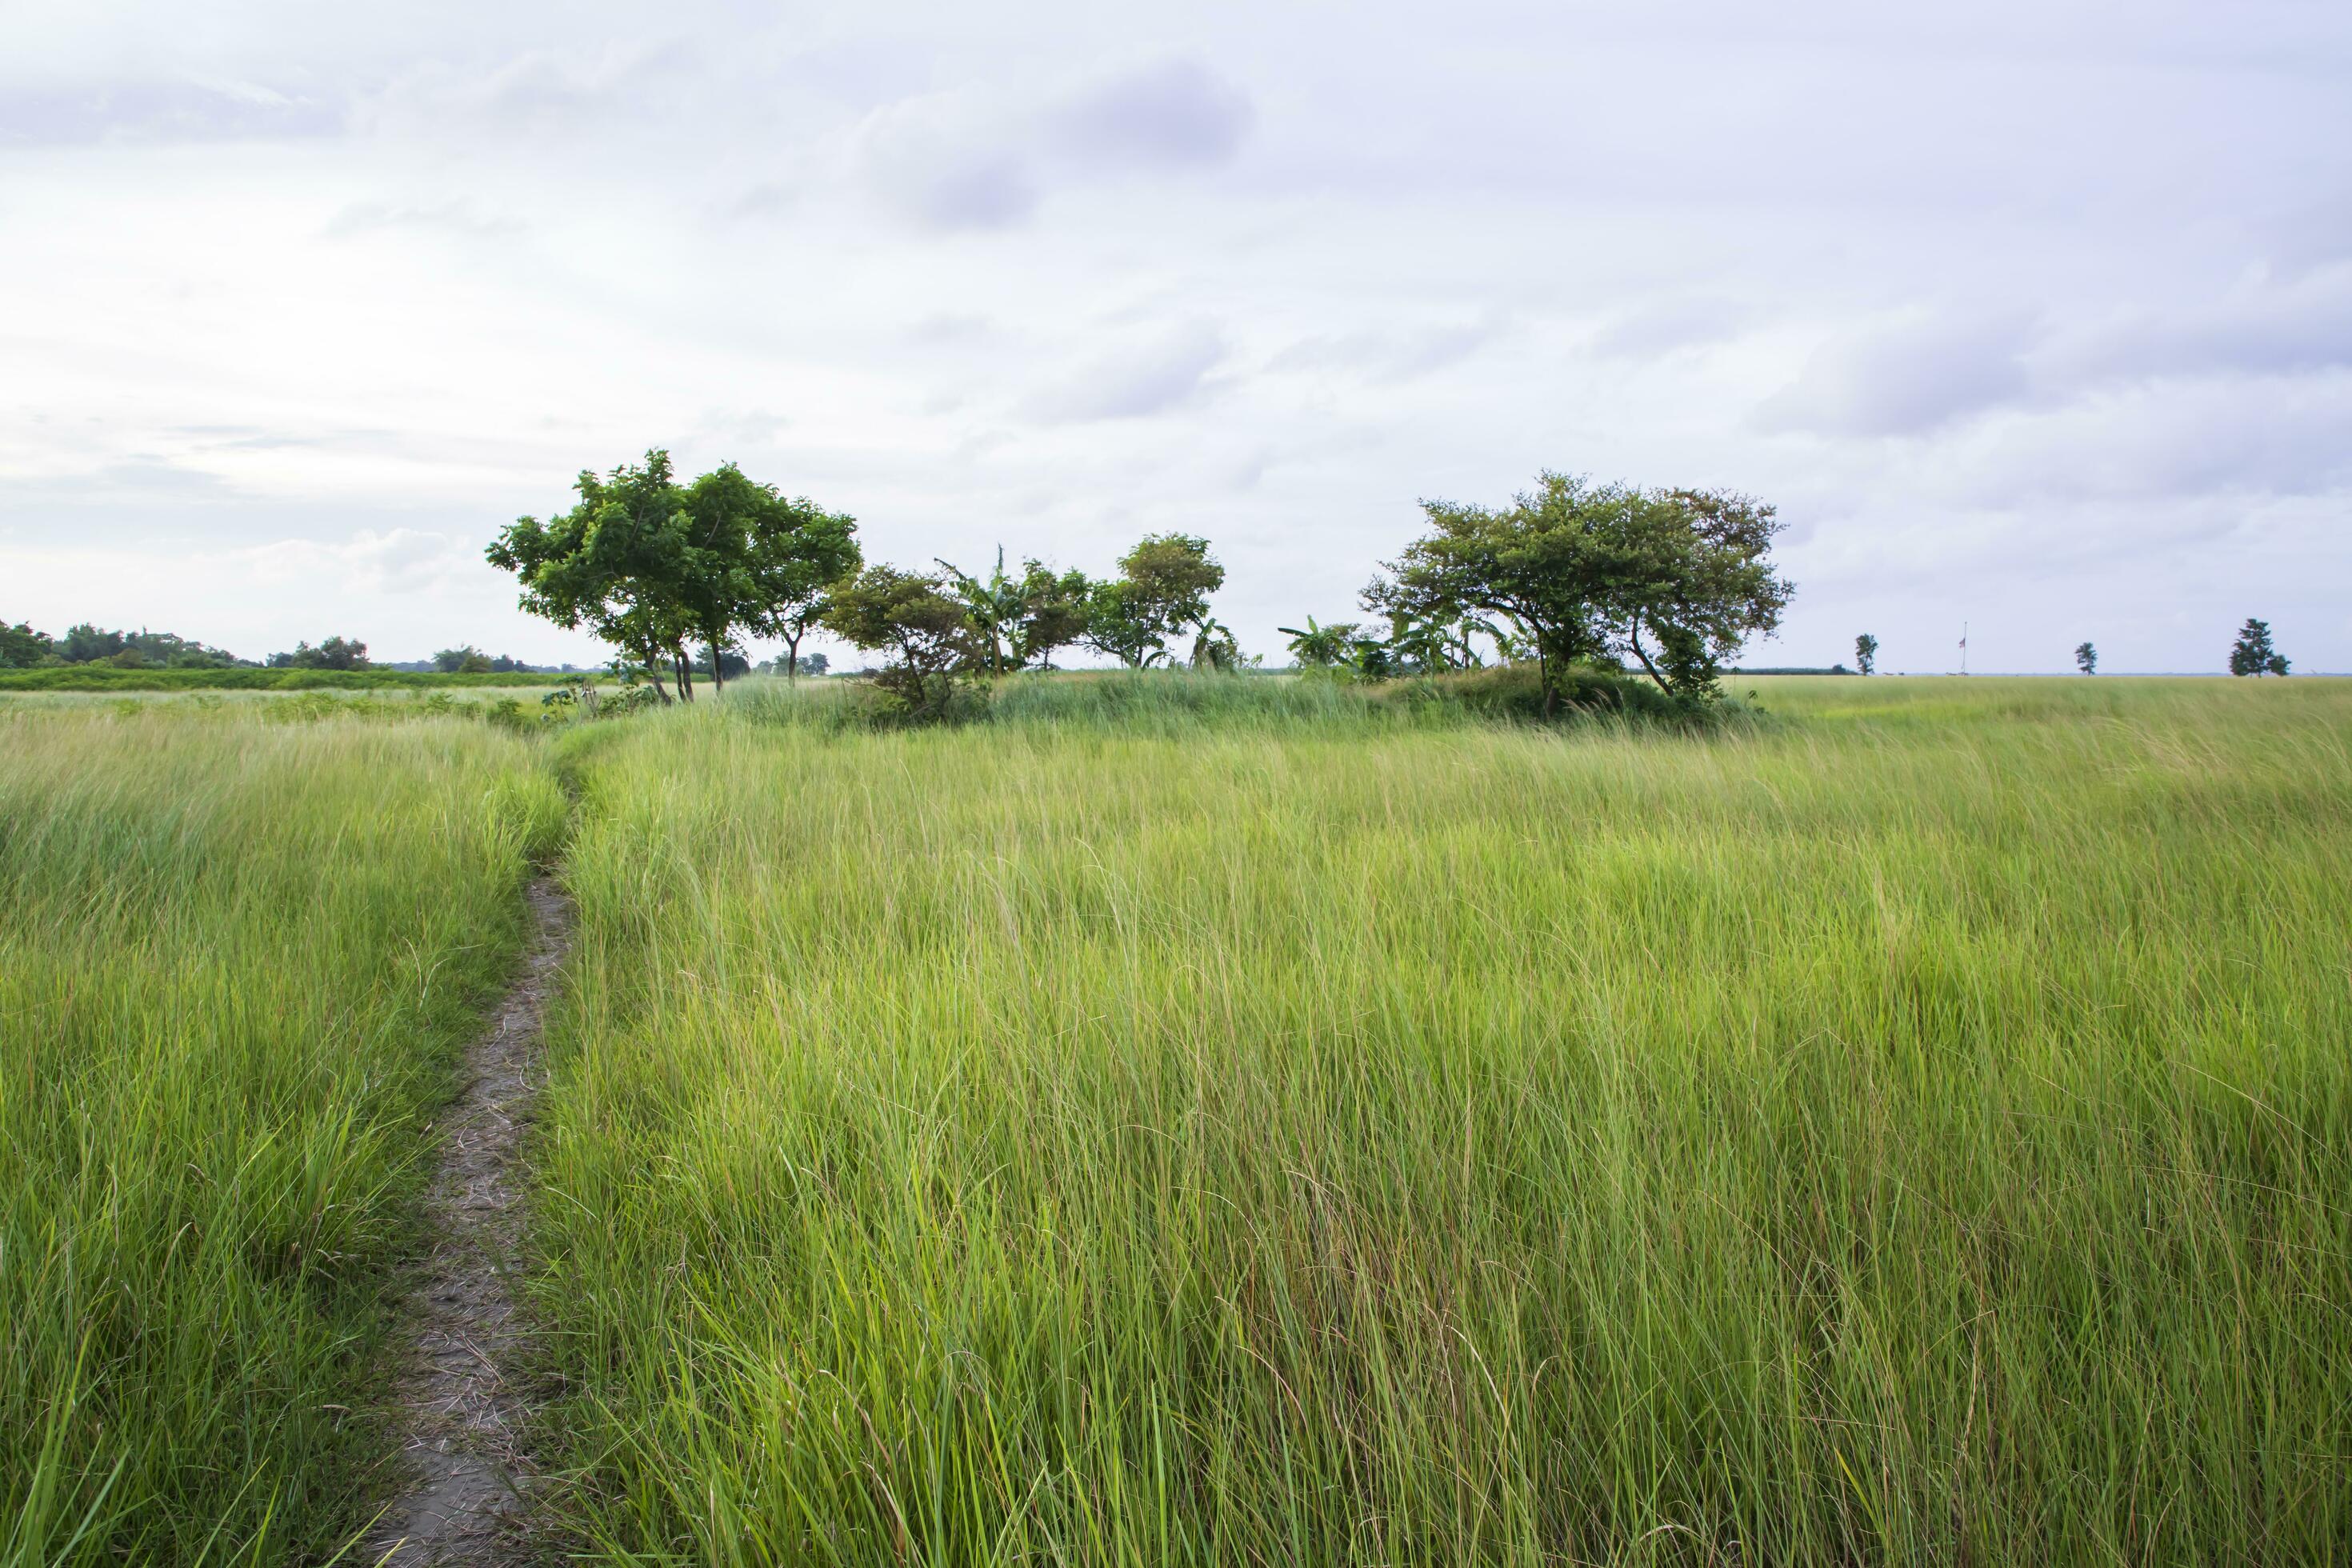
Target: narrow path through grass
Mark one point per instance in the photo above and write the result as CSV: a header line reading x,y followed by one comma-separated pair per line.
x,y
462,1405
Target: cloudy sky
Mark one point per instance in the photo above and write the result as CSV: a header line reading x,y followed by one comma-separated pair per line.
x,y
2027,313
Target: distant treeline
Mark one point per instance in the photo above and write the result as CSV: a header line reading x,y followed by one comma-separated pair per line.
x,y
87,647
251,678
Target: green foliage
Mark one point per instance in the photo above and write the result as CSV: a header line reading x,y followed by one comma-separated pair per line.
x,y
611,564
1314,646
927,636
22,647
1163,589
1865,654
995,609
1674,579
465,660
2254,654
1052,612
334,653
2086,658
650,566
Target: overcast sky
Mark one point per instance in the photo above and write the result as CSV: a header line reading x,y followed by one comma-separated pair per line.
x,y
2029,315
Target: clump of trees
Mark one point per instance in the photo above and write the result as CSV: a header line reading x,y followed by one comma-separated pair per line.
x,y
656,567
334,653
2253,653
23,648
938,629
1575,575
468,659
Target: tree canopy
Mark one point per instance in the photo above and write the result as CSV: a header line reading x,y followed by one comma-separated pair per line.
x,y
1674,580
650,566
2253,653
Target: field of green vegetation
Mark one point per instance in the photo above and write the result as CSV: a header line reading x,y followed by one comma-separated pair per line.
x,y
236,958
1184,1118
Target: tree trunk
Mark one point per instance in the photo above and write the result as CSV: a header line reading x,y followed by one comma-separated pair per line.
x,y
1633,640
685,668
653,673
792,658
717,673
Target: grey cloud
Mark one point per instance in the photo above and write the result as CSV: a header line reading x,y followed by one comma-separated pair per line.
x,y
1907,379
1151,379
934,162
2296,329
1667,326
161,111
1171,115
1390,355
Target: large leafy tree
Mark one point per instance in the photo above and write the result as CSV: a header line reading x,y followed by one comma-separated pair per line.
x,y
757,562
612,564
651,566
1672,580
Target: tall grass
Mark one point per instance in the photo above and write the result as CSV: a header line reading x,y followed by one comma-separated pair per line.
x,y
1854,1138
235,959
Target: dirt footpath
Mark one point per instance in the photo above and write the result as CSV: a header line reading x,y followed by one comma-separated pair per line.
x,y
460,1415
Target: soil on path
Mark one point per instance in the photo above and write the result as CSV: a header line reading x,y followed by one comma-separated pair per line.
x,y
460,1413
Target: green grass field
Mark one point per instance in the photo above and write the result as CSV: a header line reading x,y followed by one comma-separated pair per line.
x,y
1244,1121
235,959
1912,1129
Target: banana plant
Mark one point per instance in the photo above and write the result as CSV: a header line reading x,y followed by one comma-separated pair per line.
x,y
995,608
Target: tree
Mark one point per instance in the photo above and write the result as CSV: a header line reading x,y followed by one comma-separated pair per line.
x,y
1865,654
1052,612
1163,589
2086,658
1120,621
909,615
22,647
466,659
753,560
995,608
1586,572
2253,653
334,653
779,555
1173,575
809,664
612,563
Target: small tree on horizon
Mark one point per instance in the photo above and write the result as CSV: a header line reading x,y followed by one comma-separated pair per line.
x,y
2086,658
2254,654
1865,654
909,617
